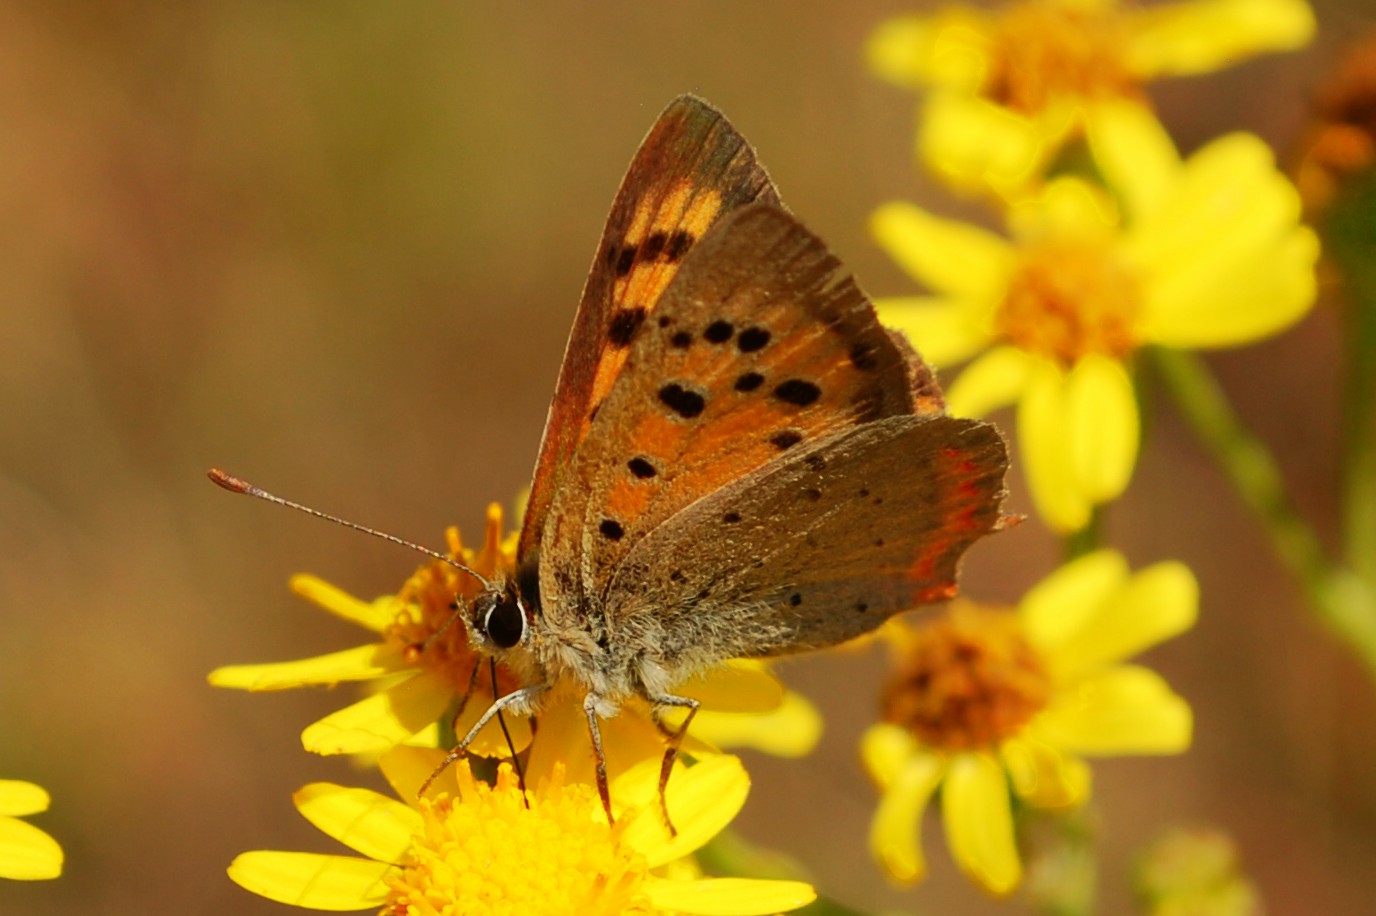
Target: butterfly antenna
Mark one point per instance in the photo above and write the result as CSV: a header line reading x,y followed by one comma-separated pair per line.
x,y
237,485
511,745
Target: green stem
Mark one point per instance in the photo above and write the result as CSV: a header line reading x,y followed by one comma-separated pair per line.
x,y
1350,240
1086,540
1342,600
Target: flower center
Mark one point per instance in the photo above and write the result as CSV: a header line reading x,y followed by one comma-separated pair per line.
x,y
967,680
1069,300
426,628
489,853
1045,51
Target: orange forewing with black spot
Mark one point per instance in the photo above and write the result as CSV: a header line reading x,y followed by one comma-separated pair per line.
x,y
762,346
691,170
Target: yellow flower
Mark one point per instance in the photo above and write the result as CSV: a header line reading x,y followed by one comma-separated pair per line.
x,y
1009,87
1205,252
743,704
468,847
26,853
423,661
983,701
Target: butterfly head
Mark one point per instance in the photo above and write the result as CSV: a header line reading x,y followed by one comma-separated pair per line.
x,y
497,618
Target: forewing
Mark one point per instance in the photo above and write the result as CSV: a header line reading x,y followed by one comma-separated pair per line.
x,y
818,548
691,169
762,345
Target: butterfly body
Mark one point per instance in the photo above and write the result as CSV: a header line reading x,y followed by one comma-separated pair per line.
x,y
740,461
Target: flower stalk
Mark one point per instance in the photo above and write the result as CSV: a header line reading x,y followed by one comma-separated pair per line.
x,y
1342,600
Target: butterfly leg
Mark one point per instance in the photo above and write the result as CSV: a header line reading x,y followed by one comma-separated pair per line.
x,y
521,699
673,740
595,733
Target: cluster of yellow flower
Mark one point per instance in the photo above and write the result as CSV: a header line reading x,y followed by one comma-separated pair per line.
x,y
497,845
1114,243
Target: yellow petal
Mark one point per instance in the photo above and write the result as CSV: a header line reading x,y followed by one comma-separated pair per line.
x,y
319,882
729,896
1058,606
975,145
1125,710
944,331
978,817
1204,35
1135,154
1157,603
1104,428
886,750
1250,296
702,800
382,720
895,840
951,48
18,798
994,380
1044,431
1067,208
736,686
27,853
949,256
379,827
407,768
1043,776
792,730
358,664
375,615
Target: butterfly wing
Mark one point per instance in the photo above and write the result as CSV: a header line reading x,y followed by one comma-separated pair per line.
x,y
691,169
819,547
761,347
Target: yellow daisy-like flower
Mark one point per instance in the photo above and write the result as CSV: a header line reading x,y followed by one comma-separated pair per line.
x,y
468,847
423,661
1205,252
743,704
1008,87
984,701
26,853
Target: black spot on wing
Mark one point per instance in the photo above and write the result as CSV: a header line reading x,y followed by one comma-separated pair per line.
x,y
678,245
681,340
719,332
625,322
611,529
625,260
683,401
752,339
798,392
642,468
786,439
749,382
651,248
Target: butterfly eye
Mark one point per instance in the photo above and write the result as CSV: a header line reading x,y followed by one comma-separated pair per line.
x,y
505,622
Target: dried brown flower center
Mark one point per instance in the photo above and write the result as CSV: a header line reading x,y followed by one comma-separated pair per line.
x,y
967,680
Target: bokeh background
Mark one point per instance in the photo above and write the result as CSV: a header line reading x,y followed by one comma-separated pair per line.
x,y
336,248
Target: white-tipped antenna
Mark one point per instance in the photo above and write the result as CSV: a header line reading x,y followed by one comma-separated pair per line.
x,y
236,485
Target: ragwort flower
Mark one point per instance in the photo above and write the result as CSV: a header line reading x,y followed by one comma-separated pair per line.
x,y
26,853
1205,252
743,704
1007,88
984,702
468,847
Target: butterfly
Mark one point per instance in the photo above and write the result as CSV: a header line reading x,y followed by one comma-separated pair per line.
x,y
739,460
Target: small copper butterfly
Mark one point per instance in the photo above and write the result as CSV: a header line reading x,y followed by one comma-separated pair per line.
x,y
739,460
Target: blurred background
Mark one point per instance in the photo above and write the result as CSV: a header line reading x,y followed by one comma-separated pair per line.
x,y
336,248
